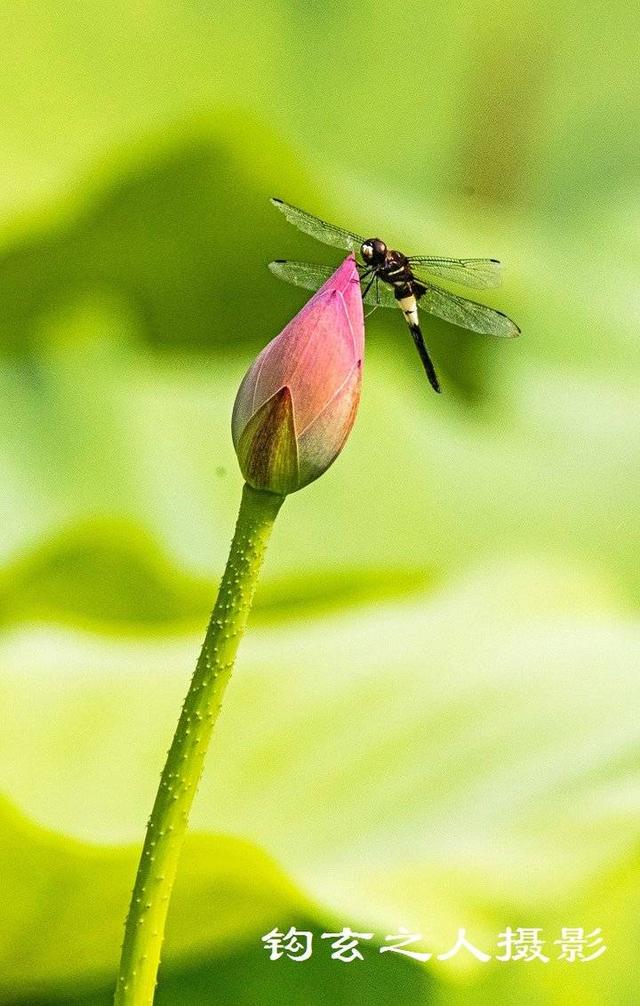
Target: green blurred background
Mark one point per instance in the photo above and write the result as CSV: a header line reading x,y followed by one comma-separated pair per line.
x,y
433,721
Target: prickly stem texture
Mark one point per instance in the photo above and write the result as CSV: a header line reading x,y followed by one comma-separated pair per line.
x,y
144,930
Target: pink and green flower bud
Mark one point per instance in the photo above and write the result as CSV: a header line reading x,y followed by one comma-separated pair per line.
x,y
297,402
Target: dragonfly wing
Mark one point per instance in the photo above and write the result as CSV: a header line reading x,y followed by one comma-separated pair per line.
x,y
311,276
308,275
319,229
467,314
477,273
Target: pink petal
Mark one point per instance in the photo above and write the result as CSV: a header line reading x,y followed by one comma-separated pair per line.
x,y
322,441
317,349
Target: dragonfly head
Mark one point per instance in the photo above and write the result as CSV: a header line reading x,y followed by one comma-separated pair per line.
x,y
373,251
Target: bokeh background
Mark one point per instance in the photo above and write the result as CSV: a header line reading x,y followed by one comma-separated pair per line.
x,y
433,721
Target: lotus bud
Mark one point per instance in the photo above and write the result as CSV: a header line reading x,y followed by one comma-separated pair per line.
x,y
297,402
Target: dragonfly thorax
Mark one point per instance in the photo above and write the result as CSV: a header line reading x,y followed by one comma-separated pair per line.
x,y
373,251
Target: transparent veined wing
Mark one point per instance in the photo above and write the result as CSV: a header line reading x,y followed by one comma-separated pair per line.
x,y
477,273
307,275
311,276
319,229
467,314
448,306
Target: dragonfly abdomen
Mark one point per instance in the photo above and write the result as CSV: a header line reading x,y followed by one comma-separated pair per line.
x,y
407,295
408,305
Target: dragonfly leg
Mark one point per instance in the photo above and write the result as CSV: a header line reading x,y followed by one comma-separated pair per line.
x,y
368,286
377,303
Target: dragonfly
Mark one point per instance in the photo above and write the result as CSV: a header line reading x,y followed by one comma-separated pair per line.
x,y
391,279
